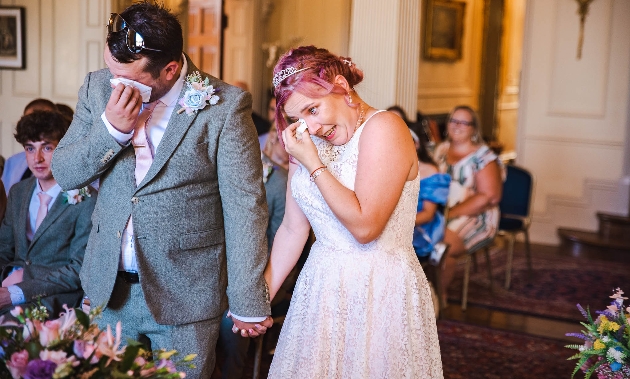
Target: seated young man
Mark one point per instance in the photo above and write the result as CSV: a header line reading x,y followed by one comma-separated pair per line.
x,y
45,231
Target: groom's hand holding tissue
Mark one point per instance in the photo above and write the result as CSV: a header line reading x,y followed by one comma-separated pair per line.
x,y
123,107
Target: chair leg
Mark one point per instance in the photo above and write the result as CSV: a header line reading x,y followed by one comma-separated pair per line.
x,y
438,286
258,357
486,251
466,278
510,254
528,254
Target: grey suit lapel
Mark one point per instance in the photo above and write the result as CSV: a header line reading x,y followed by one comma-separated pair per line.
x,y
24,218
177,127
58,207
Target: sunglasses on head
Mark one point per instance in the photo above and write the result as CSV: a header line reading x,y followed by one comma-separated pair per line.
x,y
135,42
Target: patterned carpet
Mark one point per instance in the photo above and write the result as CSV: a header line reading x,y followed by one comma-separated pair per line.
x,y
475,352
558,283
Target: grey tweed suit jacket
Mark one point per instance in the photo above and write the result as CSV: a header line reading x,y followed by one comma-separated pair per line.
x,y
52,260
199,215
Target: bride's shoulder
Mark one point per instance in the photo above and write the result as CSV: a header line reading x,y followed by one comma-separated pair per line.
x,y
383,124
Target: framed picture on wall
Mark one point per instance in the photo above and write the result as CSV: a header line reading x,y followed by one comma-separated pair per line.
x,y
443,30
12,38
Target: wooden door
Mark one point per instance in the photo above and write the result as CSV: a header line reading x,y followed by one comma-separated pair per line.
x,y
205,35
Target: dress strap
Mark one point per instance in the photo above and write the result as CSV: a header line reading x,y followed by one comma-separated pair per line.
x,y
368,119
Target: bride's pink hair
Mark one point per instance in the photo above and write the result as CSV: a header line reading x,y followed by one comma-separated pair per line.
x,y
317,80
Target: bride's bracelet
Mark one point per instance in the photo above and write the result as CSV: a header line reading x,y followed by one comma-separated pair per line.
x,y
317,172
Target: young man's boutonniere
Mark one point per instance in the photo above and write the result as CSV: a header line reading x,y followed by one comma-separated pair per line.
x,y
76,196
199,93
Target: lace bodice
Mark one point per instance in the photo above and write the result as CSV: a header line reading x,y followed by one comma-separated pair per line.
x,y
342,164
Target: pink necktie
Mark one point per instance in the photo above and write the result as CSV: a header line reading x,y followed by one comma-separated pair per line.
x,y
142,144
44,200
144,152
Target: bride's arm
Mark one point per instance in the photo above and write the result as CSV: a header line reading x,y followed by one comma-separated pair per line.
x,y
386,161
288,242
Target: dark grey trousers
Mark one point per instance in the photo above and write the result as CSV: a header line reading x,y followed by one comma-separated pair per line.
x,y
128,305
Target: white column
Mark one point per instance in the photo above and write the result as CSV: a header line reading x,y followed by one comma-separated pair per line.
x,y
385,44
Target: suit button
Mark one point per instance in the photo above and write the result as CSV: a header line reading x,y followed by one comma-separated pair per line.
x,y
28,263
118,234
135,200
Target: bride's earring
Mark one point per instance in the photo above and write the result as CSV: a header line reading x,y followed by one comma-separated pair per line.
x,y
349,98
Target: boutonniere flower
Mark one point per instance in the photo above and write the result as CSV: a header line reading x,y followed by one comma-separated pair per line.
x,y
199,93
76,196
267,169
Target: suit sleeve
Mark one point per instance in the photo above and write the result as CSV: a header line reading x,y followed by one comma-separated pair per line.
x,y
7,239
239,170
65,278
87,149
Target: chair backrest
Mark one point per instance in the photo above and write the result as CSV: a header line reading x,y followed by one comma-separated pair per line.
x,y
517,192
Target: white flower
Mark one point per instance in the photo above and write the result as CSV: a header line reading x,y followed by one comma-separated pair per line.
x,y
615,354
76,196
605,339
199,93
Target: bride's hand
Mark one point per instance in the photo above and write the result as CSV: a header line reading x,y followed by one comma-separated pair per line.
x,y
303,149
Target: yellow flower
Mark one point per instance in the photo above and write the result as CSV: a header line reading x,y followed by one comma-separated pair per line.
x,y
613,326
598,345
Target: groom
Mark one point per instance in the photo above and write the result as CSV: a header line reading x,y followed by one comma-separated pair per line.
x,y
181,212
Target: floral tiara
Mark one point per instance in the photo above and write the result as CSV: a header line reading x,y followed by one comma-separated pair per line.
x,y
285,73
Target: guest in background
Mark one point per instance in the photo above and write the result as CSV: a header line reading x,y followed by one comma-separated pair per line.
x,y
16,168
3,201
262,125
45,231
274,150
475,189
430,222
65,111
271,117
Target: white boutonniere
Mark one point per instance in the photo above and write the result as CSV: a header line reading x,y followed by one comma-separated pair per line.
x,y
199,93
267,169
76,196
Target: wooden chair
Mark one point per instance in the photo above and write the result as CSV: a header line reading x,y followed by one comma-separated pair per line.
x,y
470,257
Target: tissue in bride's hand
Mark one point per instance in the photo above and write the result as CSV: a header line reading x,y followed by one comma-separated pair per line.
x,y
302,127
145,91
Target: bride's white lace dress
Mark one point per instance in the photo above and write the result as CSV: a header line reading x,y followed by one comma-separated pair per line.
x,y
358,311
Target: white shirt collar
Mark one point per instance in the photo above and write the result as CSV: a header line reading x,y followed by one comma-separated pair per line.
x,y
52,191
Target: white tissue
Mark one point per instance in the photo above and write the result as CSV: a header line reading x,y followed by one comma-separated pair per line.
x,y
145,91
302,126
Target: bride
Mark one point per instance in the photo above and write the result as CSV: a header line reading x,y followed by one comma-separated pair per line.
x,y
362,306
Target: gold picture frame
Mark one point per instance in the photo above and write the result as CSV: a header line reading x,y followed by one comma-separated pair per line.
x,y
443,30
12,38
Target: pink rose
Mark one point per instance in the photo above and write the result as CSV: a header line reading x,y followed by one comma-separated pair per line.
x,y
49,332
17,364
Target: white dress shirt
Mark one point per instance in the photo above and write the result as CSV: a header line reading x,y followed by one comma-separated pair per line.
x,y
17,296
155,131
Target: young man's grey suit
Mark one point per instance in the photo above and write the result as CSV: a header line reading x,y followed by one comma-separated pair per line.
x,y
52,260
199,215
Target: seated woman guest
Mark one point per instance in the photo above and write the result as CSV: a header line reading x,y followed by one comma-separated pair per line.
x,y
475,189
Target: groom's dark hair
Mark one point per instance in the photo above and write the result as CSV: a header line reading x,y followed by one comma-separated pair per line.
x,y
160,30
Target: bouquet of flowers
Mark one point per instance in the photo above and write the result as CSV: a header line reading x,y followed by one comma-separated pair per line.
x,y
606,348
73,346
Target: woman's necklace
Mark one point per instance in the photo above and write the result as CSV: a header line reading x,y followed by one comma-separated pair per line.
x,y
361,114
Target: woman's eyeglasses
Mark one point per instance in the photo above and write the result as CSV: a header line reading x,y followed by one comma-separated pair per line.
x,y
460,122
135,42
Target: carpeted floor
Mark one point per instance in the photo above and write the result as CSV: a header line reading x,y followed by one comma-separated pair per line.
x,y
558,283
475,352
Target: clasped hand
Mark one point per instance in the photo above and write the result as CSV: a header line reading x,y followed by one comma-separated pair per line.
x,y
249,329
303,150
123,107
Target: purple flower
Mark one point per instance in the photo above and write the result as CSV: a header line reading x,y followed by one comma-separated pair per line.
x,y
577,335
582,311
38,369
